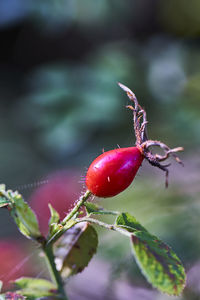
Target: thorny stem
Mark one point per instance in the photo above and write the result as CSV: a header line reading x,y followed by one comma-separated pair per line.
x,y
142,141
55,275
64,225
47,248
105,225
81,201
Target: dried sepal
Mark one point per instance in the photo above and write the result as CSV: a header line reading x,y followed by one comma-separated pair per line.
x,y
143,143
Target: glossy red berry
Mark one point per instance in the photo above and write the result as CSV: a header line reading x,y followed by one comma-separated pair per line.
x,y
113,171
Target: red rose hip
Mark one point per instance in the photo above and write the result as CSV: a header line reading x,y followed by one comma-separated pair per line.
x,y
113,171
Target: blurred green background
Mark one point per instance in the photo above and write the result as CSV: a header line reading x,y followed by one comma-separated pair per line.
x,y
60,106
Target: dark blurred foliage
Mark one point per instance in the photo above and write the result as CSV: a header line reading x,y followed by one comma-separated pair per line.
x,y
60,106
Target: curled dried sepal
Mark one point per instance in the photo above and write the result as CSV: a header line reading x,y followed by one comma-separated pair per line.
x,y
139,116
143,143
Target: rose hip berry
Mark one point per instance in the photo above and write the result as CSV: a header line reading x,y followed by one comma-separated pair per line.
x,y
113,171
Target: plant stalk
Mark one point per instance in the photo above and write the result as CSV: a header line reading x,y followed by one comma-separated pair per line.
x,y
105,225
66,226
55,275
81,201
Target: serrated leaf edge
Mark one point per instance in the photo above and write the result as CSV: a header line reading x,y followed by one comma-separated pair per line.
x,y
132,237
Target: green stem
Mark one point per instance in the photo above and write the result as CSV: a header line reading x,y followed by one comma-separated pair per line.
x,y
66,226
105,225
55,275
59,233
81,201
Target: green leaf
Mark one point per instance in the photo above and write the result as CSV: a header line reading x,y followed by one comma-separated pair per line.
x,y
157,261
128,222
53,221
24,217
35,287
21,213
91,207
75,249
55,217
94,209
34,283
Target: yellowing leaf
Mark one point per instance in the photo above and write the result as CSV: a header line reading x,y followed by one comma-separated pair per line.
x,y
157,261
75,249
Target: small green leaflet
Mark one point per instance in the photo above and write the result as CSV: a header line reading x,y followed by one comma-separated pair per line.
x,y
20,211
53,221
24,217
128,222
159,264
94,209
35,287
55,218
75,249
